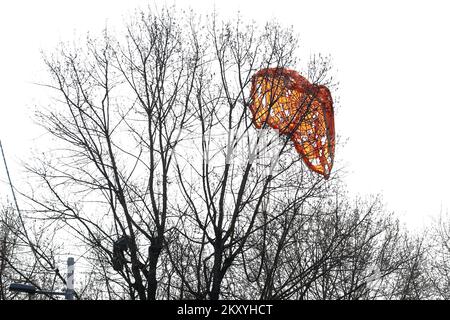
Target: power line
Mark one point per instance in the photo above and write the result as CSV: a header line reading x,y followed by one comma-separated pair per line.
x,y
9,179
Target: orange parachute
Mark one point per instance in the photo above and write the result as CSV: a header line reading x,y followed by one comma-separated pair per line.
x,y
286,101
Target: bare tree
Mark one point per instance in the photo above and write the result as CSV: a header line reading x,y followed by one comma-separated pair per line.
x,y
326,248
156,150
7,247
121,110
230,174
437,272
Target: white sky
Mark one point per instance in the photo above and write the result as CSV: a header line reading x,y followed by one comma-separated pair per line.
x,y
392,59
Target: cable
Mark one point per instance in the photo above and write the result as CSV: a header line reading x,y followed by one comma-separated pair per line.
x,y
9,179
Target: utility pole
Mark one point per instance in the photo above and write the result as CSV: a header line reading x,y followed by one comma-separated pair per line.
x,y
70,272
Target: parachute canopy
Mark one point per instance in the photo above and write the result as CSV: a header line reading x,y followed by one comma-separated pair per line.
x,y
286,101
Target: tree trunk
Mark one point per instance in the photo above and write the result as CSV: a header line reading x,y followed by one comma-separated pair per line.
x,y
154,250
217,273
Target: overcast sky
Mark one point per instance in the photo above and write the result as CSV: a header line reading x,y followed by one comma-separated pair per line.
x,y
392,59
